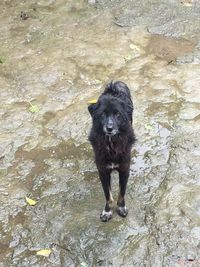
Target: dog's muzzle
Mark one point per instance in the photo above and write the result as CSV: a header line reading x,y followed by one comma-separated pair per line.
x,y
109,131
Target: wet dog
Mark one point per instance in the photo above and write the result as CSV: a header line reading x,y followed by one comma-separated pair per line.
x,y
112,137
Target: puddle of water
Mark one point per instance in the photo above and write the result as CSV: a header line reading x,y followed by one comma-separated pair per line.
x,y
169,48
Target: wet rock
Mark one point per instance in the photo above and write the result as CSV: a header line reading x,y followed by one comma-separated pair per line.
x,y
19,249
169,48
189,113
25,168
71,50
76,131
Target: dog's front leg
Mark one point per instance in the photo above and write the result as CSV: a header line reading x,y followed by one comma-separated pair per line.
x,y
106,214
123,179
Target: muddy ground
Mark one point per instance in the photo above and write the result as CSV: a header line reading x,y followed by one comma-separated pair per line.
x,y
54,57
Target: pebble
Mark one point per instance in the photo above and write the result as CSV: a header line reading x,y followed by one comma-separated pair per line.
x,y
91,2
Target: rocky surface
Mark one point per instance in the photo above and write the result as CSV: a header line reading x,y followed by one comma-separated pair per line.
x,y
53,59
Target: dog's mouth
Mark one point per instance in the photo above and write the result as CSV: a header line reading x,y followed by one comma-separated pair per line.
x,y
110,133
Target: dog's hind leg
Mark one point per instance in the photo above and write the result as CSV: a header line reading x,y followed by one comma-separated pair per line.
x,y
105,178
123,179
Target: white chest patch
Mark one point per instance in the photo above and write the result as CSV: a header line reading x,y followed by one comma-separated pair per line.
x,y
113,166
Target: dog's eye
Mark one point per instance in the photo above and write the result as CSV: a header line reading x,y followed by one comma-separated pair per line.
x,y
118,115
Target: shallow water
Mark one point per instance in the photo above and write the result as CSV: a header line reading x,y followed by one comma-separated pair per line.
x,y
58,58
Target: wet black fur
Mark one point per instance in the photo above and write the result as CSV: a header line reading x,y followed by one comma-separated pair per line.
x,y
115,101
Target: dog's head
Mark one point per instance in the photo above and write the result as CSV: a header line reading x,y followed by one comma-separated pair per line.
x,y
110,115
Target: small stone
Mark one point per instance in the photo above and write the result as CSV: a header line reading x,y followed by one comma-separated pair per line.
x,y
92,2
24,15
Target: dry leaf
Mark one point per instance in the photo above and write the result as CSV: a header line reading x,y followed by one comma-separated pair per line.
x,y
148,126
30,201
44,252
187,3
34,109
134,47
97,81
92,101
128,57
2,60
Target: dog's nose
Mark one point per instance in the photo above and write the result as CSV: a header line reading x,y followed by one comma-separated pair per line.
x,y
109,127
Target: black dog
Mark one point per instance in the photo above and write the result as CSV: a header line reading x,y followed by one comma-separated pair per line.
x,y
112,137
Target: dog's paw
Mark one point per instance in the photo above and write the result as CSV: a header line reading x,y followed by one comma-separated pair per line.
x,y
106,215
122,211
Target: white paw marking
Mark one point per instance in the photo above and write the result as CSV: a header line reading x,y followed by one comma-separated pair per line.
x,y
123,208
106,213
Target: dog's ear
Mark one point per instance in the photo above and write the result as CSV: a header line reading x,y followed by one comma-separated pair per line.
x,y
129,111
128,108
92,109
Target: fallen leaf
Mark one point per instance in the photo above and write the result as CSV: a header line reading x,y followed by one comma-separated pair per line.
x,y
2,60
134,47
44,252
33,108
148,126
92,101
97,81
30,201
187,3
128,57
